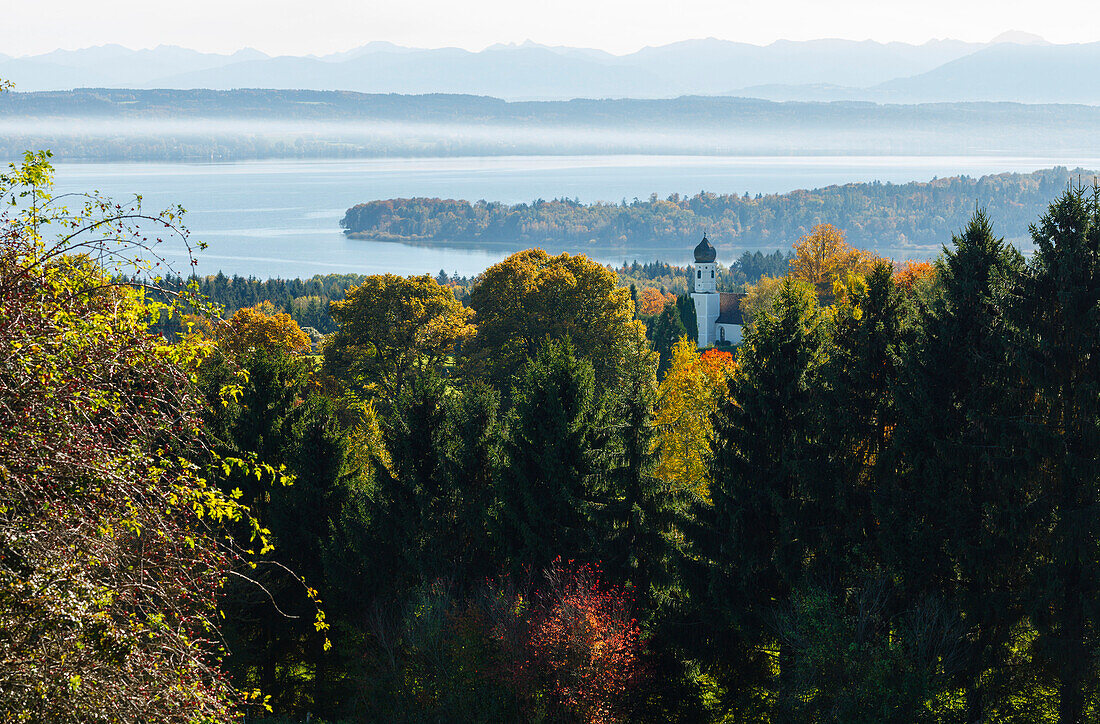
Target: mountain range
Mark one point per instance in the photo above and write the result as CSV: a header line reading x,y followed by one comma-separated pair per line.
x,y
1013,67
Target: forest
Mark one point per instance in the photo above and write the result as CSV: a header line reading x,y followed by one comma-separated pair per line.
x,y
114,124
917,215
307,301
540,502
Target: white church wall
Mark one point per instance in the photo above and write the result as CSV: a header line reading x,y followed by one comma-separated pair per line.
x,y
707,307
729,333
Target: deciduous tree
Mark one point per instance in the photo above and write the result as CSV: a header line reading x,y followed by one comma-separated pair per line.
x,y
687,399
262,328
823,256
391,327
111,560
531,297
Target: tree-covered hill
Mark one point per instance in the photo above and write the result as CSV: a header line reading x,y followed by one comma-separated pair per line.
x,y
123,124
918,215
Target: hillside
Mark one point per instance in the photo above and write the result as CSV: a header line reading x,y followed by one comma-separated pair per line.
x,y
917,215
121,124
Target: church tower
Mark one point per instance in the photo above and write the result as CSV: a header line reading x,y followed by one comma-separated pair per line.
x,y
706,297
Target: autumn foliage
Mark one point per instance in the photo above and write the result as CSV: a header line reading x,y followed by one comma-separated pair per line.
x,y
651,301
262,328
585,642
687,399
824,256
110,560
909,273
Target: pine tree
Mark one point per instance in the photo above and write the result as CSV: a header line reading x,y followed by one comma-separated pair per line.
x,y
1060,359
767,452
546,489
956,519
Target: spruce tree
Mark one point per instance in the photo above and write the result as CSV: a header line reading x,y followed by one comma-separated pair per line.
x,y
955,519
664,332
634,512
686,306
546,489
473,457
413,503
754,540
858,418
302,516
1059,344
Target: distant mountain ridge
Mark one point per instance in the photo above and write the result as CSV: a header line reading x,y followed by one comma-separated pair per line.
x,y
1014,67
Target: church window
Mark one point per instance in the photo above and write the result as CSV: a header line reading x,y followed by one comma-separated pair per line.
x,y
711,273
722,333
699,274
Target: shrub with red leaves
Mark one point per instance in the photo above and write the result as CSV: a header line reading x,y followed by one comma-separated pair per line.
x,y
584,644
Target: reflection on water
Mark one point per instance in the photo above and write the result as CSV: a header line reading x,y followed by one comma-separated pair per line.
x,y
281,218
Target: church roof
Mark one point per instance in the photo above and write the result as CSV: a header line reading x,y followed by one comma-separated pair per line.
x,y
705,253
729,309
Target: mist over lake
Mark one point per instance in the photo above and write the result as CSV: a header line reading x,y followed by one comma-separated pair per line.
x,y
281,218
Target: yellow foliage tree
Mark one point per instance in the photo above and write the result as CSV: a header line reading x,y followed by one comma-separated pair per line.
x,y
531,297
391,326
686,400
824,256
758,297
261,327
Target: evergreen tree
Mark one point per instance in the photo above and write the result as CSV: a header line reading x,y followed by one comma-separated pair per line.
x,y
415,507
633,517
686,306
277,421
956,520
301,520
664,332
546,490
1060,360
767,451
858,417
473,457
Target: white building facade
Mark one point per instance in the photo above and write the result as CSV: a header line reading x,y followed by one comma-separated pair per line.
x,y
718,313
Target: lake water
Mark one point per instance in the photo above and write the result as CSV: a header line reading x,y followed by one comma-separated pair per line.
x,y
281,218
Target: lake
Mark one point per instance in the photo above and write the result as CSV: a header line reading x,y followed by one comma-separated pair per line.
x,y
281,218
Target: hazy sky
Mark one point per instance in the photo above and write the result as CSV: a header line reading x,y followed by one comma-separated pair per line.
x,y
322,26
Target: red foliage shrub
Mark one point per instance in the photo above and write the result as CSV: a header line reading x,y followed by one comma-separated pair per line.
x,y
584,643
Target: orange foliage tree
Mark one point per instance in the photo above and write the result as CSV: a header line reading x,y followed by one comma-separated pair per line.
x,y
907,274
651,301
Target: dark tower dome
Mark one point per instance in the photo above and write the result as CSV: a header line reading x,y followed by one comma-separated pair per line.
x,y
705,253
